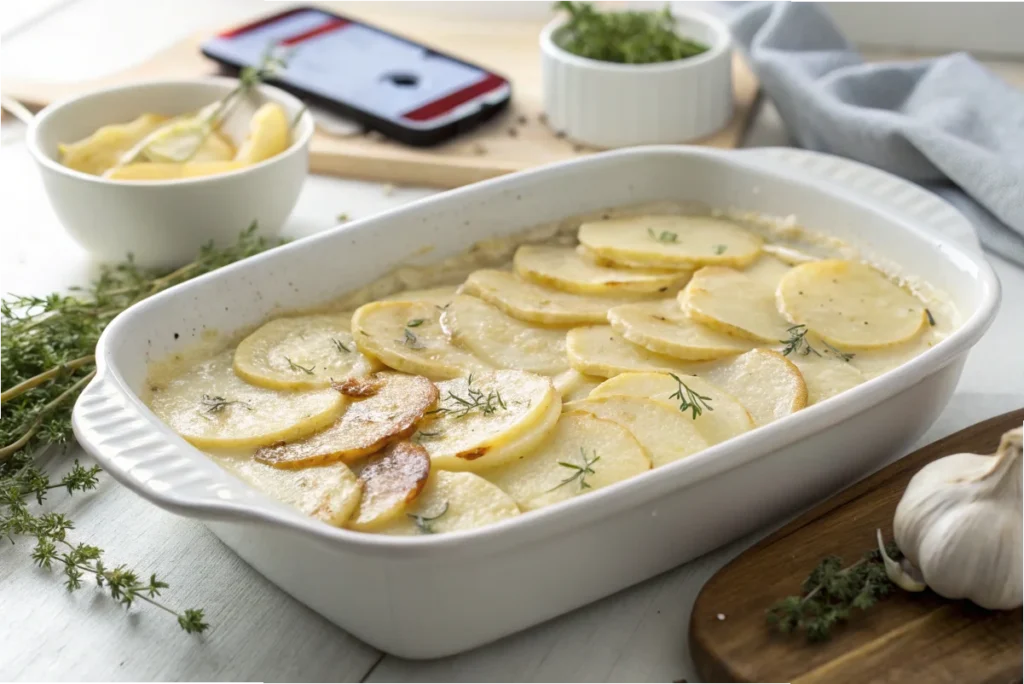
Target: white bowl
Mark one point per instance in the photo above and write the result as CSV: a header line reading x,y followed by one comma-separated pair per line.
x,y
163,224
423,597
615,105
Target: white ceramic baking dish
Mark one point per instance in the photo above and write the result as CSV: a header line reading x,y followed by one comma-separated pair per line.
x,y
431,596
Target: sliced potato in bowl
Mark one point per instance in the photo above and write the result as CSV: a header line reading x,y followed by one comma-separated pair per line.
x,y
407,336
662,327
534,303
716,414
582,454
211,407
391,481
669,241
600,351
501,340
328,493
387,407
451,502
564,268
301,352
665,434
488,418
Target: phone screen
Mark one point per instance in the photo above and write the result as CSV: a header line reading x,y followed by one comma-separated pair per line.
x,y
360,66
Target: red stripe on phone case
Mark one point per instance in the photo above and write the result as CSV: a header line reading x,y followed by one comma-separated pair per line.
x,y
447,103
332,25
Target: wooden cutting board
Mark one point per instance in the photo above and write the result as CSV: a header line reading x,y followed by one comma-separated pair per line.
x,y
903,638
515,140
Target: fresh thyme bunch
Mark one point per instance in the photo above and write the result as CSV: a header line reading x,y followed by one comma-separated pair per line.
x,y
47,347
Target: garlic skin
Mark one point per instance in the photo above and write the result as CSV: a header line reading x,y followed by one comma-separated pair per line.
x,y
960,523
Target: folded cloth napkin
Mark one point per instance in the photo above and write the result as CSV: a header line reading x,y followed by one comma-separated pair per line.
x,y
947,123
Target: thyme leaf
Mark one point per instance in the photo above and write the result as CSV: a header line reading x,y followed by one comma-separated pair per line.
x,y
296,367
664,236
425,523
931,318
216,404
339,345
720,249
580,471
415,322
842,356
689,400
797,342
411,341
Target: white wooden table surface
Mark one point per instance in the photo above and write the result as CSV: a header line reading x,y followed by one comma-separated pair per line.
x,y
259,633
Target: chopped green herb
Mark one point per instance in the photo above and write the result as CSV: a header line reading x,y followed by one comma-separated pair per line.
x,y
931,319
720,249
475,400
415,323
425,523
689,400
341,218
844,356
296,367
411,341
339,345
216,404
580,471
664,236
797,342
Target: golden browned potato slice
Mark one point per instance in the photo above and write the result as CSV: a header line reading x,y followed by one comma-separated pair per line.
x,y
583,453
104,148
269,134
573,385
408,337
439,296
302,352
538,304
662,327
329,493
213,408
715,413
740,303
564,268
665,434
767,384
391,481
503,341
489,418
386,408
671,241
600,351
850,304
452,502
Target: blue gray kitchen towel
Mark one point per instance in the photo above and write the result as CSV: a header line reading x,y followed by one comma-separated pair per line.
x,y
947,123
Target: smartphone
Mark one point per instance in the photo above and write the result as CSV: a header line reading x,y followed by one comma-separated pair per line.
x,y
408,92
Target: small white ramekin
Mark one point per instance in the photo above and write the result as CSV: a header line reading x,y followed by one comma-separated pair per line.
x,y
163,224
604,104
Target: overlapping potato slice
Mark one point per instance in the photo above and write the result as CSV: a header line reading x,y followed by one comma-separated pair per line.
x,y
573,385
583,453
387,407
501,340
600,351
213,408
850,304
407,336
767,384
564,268
391,481
826,375
671,241
488,418
538,304
662,327
301,352
105,148
715,413
435,295
329,493
451,502
740,303
665,434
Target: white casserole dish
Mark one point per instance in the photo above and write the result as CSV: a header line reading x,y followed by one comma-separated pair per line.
x,y
432,596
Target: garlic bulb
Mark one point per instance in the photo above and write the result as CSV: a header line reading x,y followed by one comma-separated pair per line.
x,y
959,522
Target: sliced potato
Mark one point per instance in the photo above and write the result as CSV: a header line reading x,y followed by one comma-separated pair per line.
x,y
213,408
583,453
488,419
717,417
217,147
573,385
149,171
439,296
598,350
391,481
662,327
504,341
826,375
671,241
564,268
451,502
270,134
850,304
538,304
104,148
665,434
740,303
767,383
408,337
329,493
301,352
388,407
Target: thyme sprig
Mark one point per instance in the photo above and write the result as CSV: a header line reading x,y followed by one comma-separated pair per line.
x,y
216,404
340,346
411,341
797,342
842,356
830,594
47,349
475,400
296,367
581,471
689,400
425,523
